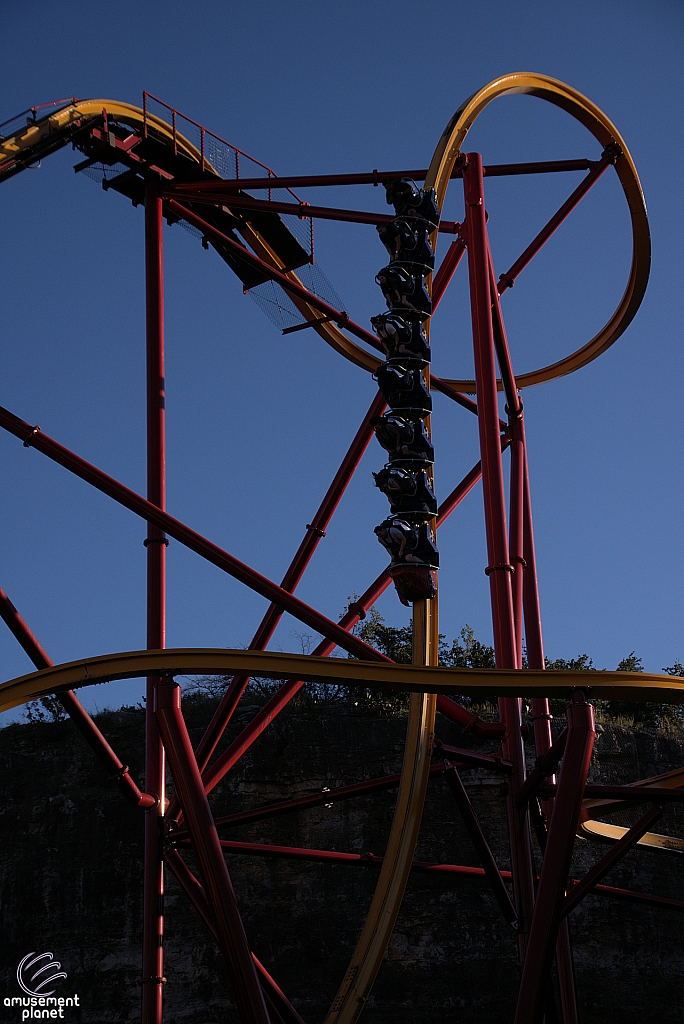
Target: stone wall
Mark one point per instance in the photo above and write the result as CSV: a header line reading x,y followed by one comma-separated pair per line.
x,y
70,881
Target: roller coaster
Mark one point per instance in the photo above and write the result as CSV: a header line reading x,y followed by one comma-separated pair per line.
x,y
180,171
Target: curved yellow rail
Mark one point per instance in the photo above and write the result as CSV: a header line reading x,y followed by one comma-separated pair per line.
x,y
379,675
589,828
439,173
389,891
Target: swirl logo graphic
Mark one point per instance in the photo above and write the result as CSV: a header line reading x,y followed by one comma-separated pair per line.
x,y
42,969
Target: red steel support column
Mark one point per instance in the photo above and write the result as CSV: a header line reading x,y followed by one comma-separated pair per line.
x,y
207,848
542,727
553,880
516,429
499,569
153,872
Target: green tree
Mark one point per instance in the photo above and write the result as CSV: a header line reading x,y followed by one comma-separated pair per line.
x,y
46,709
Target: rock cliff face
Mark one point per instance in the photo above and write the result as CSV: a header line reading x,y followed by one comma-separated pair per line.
x,y
72,861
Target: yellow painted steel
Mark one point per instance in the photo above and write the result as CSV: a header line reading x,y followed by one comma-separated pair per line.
x,y
601,830
448,150
389,891
379,675
651,840
134,117
439,175
124,113
424,674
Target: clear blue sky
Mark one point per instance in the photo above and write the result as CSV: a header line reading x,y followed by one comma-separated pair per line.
x,y
258,423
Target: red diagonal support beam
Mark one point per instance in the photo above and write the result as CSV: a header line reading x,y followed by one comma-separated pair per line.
x,y
615,854
315,531
33,437
455,870
229,928
477,837
78,714
337,316
301,210
536,974
376,177
276,999
302,803
507,280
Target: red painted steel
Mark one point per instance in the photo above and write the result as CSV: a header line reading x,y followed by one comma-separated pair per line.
x,y
301,210
477,837
615,854
499,568
322,798
508,279
315,532
155,768
534,985
35,438
542,925
86,726
376,177
447,269
340,317
231,934
462,870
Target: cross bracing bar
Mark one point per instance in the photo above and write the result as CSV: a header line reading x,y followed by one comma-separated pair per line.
x,y
507,280
377,177
34,438
276,1000
339,317
615,854
119,772
301,210
322,798
369,860
315,532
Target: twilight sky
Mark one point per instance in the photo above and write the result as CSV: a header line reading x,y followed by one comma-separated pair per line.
x,y
257,422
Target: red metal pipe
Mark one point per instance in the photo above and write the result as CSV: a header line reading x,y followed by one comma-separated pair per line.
x,y
477,837
72,705
508,279
301,210
34,438
556,864
376,177
447,269
315,531
541,719
337,316
629,794
279,700
276,1000
465,871
616,853
499,569
217,885
155,768
488,414
503,355
302,803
